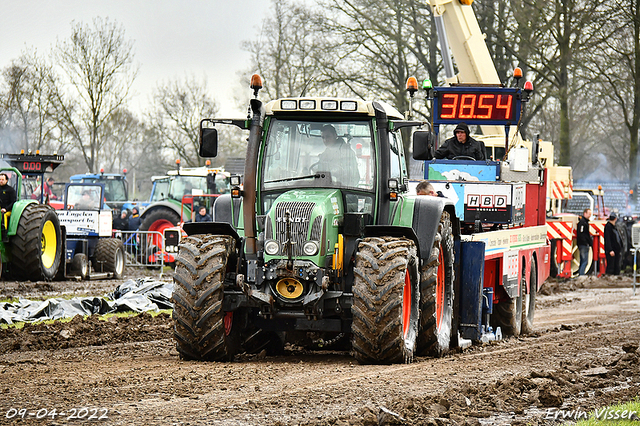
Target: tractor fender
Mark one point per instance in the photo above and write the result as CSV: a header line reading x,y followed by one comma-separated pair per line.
x,y
166,204
227,209
16,214
216,228
427,211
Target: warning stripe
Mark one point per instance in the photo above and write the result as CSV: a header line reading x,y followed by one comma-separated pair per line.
x,y
557,191
563,231
570,186
598,229
561,190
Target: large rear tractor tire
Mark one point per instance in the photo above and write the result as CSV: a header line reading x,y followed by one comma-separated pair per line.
x,y
36,249
386,299
202,330
436,294
508,314
529,301
109,254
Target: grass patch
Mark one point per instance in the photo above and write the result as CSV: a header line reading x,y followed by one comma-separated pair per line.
x,y
607,415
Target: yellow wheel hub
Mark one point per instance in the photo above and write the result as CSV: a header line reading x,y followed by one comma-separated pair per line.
x,y
289,288
49,244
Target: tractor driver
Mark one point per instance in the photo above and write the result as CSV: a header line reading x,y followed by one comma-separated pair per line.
x,y
7,194
461,145
86,202
338,158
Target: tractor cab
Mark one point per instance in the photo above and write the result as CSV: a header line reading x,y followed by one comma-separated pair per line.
x,y
81,196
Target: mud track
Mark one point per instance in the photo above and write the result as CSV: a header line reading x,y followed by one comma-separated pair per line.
x,y
583,356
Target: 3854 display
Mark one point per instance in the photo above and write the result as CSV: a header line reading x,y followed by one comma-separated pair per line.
x,y
477,105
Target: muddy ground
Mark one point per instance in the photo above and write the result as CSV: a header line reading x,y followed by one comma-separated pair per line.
x,y
583,356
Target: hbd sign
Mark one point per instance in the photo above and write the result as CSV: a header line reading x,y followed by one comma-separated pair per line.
x,y
493,203
475,201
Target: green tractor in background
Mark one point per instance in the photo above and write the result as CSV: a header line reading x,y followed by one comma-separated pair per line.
x,y
31,244
309,250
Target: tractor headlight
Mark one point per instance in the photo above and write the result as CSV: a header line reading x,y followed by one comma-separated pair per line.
x,y
310,248
271,247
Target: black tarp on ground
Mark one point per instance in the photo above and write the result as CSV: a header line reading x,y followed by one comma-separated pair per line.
x,y
144,294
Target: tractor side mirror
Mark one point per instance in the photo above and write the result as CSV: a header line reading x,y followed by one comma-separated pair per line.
x,y
423,142
208,142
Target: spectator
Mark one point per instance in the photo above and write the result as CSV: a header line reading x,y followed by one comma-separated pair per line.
x,y
46,189
134,220
612,245
7,194
425,188
121,222
584,240
202,215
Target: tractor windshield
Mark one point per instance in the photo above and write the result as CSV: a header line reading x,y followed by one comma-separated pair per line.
x,y
318,154
187,185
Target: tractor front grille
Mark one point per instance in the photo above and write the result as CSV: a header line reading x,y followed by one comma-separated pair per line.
x,y
299,217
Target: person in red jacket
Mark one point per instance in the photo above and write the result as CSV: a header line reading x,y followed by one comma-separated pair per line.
x,y
46,189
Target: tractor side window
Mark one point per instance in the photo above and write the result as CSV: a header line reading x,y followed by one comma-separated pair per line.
x,y
160,191
114,190
222,184
394,156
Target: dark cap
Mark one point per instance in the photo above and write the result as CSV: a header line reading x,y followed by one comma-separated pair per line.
x,y
613,215
463,127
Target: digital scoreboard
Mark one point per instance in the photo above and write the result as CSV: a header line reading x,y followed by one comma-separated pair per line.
x,y
477,105
33,163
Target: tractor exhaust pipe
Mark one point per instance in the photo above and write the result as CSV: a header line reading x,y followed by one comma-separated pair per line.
x,y
256,114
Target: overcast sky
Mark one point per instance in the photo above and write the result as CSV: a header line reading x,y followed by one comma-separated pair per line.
x,y
172,38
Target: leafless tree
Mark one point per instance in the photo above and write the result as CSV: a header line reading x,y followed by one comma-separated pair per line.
x,y
616,63
98,69
29,81
289,50
176,111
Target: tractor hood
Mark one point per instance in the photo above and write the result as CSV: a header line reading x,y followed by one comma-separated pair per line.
x,y
300,220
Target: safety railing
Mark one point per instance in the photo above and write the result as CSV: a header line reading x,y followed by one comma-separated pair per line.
x,y
143,249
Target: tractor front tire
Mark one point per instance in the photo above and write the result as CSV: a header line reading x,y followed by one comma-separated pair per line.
x,y
36,249
436,294
109,254
80,266
386,298
202,330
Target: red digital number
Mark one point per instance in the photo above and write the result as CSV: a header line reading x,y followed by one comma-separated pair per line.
x,y
31,166
488,107
506,106
453,106
467,106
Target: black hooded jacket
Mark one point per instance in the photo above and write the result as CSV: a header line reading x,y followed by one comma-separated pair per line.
x,y
452,148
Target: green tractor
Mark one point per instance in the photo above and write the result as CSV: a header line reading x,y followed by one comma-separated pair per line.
x,y
31,245
321,244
